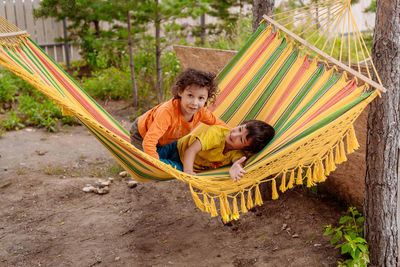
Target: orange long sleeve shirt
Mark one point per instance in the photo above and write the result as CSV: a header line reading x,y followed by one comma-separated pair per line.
x,y
164,124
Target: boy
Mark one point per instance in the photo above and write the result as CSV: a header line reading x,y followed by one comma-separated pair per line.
x,y
192,92
218,146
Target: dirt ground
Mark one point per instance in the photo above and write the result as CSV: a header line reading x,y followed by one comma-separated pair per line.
x,y
47,220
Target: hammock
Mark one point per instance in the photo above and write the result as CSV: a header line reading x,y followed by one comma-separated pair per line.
x,y
311,106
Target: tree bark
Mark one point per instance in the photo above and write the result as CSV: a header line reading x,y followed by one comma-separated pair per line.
x,y
261,7
131,65
383,141
203,29
158,55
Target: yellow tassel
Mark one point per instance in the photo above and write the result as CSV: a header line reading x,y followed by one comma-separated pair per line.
x,y
274,191
332,161
206,203
337,154
283,182
321,175
243,202
328,164
315,172
349,143
196,199
227,206
352,141
258,199
235,214
309,177
291,180
249,200
213,208
343,157
224,216
299,179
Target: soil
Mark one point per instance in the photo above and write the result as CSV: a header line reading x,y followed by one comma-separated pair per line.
x,y
47,220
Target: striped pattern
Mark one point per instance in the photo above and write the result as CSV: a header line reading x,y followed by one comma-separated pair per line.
x,y
311,107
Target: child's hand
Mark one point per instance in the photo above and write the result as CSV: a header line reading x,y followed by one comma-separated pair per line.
x,y
237,171
191,172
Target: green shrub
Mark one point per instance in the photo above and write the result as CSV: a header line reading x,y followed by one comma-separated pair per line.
x,y
111,83
115,83
350,238
233,39
30,107
8,88
12,122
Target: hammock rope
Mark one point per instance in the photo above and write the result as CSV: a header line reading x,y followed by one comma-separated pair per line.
x,y
333,21
312,107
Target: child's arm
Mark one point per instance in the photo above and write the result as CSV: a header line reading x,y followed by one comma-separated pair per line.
x,y
190,154
236,171
209,118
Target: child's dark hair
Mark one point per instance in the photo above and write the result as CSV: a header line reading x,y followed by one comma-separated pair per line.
x,y
260,133
198,77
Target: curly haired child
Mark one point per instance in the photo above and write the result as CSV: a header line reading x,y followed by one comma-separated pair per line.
x,y
171,120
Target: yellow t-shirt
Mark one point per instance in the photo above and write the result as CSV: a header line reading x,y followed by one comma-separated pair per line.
x,y
212,154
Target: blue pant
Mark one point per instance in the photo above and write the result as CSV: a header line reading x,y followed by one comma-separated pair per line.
x,y
169,154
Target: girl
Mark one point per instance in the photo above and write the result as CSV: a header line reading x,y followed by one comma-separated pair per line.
x,y
174,119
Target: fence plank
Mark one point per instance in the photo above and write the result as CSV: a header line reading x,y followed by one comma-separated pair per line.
x,y
10,13
30,20
2,9
40,28
20,14
42,31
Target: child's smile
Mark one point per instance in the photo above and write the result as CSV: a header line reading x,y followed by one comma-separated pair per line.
x,y
237,138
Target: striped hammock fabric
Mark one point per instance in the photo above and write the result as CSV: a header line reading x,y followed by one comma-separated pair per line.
x,y
312,108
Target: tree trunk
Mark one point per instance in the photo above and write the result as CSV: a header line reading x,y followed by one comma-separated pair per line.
x,y
131,65
261,7
383,141
158,55
203,29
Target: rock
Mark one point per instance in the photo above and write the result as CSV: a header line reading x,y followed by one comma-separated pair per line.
x,y
132,184
105,183
102,191
40,152
123,174
89,189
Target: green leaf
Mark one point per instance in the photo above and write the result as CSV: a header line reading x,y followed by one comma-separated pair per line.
x,y
336,238
363,248
345,219
360,240
328,230
345,249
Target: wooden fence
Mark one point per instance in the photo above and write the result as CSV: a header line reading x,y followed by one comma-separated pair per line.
x,y
42,31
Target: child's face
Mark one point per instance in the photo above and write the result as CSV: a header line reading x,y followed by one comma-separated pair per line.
x,y
193,98
236,139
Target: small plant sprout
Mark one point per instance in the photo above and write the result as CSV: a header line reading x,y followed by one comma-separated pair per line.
x,y
349,238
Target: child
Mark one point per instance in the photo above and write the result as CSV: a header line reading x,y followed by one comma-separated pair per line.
x,y
218,146
174,119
